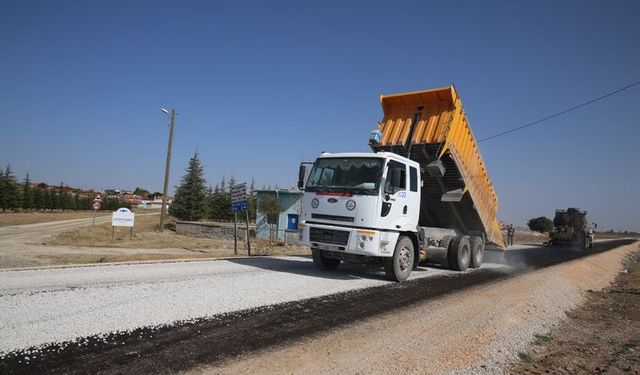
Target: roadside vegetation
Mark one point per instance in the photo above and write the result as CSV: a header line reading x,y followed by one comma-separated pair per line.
x,y
29,197
194,201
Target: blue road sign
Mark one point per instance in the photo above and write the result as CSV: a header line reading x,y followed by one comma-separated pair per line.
x,y
239,206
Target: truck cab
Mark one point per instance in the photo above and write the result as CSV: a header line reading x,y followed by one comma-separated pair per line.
x,y
357,205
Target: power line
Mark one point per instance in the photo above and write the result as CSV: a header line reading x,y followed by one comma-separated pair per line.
x,y
562,112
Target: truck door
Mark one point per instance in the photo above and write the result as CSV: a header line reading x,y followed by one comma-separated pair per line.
x,y
394,206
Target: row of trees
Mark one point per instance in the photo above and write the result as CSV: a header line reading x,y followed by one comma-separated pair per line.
x,y
195,201
25,197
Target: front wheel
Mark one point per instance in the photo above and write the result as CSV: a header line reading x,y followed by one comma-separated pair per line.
x,y
323,263
399,267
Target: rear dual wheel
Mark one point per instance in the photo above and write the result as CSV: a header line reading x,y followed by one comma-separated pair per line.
x,y
459,253
477,252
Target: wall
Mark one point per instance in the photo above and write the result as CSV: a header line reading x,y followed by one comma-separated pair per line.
x,y
211,230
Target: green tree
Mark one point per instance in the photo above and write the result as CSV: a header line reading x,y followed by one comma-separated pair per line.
x,y
8,190
252,201
189,202
540,224
270,207
141,192
38,199
223,184
47,199
27,194
55,200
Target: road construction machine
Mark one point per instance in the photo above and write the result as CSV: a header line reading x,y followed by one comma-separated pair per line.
x,y
572,227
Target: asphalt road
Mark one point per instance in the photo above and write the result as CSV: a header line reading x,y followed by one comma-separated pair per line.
x,y
155,318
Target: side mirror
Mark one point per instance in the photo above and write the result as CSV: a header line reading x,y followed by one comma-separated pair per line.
x,y
303,174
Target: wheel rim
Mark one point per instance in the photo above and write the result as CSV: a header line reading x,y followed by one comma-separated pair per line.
x,y
465,254
478,254
404,258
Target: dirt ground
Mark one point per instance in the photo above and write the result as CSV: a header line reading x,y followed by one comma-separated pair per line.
x,y
21,218
601,336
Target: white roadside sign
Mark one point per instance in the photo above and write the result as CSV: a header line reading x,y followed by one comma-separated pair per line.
x,y
122,218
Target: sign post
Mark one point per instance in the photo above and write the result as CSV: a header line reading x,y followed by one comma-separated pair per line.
x,y
239,203
97,202
123,217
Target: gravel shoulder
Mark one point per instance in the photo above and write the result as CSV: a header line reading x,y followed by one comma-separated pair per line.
x,y
600,336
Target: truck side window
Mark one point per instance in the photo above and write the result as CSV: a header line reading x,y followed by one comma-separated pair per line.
x,y
413,179
403,176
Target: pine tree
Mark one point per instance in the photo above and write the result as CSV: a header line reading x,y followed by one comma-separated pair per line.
x,y
209,200
232,182
55,200
223,184
8,190
189,202
46,199
3,191
27,194
38,199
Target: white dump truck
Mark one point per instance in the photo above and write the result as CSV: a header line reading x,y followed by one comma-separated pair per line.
x,y
423,194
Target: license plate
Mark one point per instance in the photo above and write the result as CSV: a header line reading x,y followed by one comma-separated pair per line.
x,y
328,247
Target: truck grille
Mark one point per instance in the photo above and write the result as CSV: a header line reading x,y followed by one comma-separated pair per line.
x,y
348,219
330,236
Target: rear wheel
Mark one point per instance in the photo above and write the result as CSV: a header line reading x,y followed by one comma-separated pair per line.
x,y
322,262
477,252
459,254
399,267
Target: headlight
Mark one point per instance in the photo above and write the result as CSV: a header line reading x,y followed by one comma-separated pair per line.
x,y
351,205
315,203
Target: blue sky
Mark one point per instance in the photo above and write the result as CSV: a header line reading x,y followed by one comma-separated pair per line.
x,y
261,86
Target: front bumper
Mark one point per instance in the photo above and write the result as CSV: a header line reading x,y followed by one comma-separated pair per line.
x,y
356,241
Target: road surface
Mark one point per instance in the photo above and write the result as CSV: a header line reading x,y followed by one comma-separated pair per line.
x,y
176,316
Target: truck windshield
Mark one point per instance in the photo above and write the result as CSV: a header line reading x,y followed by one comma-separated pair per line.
x,y
355,175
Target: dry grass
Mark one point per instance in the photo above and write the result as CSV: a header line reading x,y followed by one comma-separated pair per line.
x,y
145,235
21,218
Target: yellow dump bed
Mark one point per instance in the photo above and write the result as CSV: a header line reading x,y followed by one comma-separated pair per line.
x,y
457,191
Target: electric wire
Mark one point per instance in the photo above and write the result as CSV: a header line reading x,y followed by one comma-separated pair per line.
x,y
561,112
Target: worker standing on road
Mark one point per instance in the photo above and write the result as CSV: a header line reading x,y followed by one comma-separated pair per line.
x,y
510,232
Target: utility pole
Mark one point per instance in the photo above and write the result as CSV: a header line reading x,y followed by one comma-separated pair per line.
x,y
163,211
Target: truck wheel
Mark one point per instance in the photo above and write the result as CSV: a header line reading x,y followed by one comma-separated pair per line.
x,y
477,252
322,262
399,267
459,254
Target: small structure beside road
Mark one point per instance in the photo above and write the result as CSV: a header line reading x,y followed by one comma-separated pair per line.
x,y
286,224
